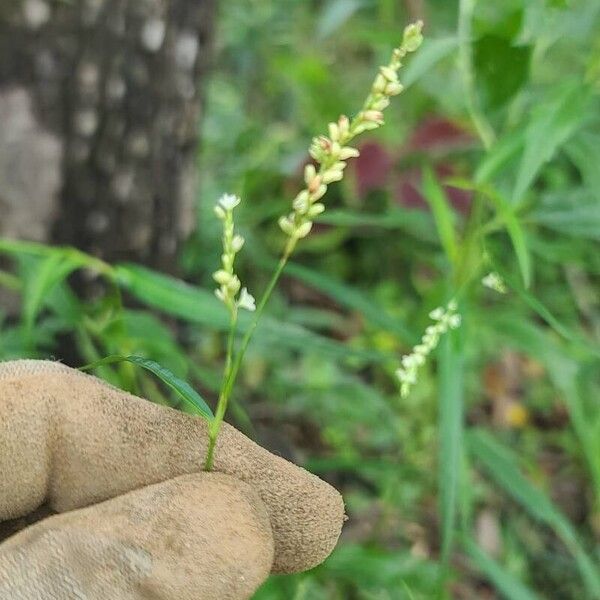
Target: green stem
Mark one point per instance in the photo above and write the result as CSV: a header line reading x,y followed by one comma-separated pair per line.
x,y
233,365
215,425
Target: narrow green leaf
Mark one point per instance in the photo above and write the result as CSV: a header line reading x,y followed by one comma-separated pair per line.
x,y
334,14
499,156
352,298
451,435
575,213
502,465
538,307
552,123
442,213
182,388
175,297
515,232
48,271
510,587
430,54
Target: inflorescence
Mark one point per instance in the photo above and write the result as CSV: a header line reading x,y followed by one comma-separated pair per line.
x,y
229,283
330,152
445,319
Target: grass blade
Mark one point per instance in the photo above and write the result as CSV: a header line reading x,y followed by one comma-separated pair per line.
x,y
503,467
442,213
504,582
451,435
352,298
516,234
195,305
182,388
552,123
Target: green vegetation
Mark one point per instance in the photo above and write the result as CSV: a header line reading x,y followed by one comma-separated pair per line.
x,y
484,481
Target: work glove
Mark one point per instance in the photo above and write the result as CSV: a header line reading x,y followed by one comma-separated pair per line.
x,y
128,512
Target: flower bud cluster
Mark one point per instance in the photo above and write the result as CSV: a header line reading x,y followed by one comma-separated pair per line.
x,y
229,283
494,282
445,319
330,152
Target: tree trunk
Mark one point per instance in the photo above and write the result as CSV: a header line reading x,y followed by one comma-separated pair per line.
x,y
100,102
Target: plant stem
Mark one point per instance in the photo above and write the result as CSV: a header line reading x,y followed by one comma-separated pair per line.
x,y
215,424
232,366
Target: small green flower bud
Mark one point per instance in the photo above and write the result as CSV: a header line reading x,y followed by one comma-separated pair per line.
x,y
237,243
413,37
389,74
309,174
381,103
286,225
334,132
301,202
303,230
222,277
393,88
343,125
315,210
375,116
319,193
379,84
348,152
332,175
234,285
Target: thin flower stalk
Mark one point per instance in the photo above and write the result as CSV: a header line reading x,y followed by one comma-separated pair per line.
x,y
330,153
445,318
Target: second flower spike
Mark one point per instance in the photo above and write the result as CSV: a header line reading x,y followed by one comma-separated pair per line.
x,y
229,283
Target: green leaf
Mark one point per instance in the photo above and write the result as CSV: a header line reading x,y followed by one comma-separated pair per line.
x,y
499,156
334,14
538,307
442,213
552,123
451,435
515,232
430,54
195,305
502,465
575,213
352,298
182,388
46,273
501,69
503,581
415,222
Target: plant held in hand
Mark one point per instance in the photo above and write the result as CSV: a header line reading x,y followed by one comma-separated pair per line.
x,y
330,153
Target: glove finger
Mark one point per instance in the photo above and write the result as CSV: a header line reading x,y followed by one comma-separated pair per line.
x,y
197,537
72,440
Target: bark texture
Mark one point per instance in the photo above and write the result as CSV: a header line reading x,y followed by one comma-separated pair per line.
x,y
100,102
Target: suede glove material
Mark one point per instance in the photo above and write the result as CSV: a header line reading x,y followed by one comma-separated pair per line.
x,y
138,519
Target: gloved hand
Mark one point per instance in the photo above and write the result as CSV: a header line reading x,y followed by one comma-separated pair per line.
x,y
155,526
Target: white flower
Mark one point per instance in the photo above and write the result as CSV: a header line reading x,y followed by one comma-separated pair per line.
x,y
228,201
237,242
494,282
246,300
445,318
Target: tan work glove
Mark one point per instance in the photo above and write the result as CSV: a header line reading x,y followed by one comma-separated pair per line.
x,y
155,527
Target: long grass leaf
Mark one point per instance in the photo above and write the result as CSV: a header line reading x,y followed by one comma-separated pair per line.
x,y
442,213
451,435
502,465
510,587
181,387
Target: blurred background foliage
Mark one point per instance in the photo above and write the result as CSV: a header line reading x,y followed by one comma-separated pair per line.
x,y
485,481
